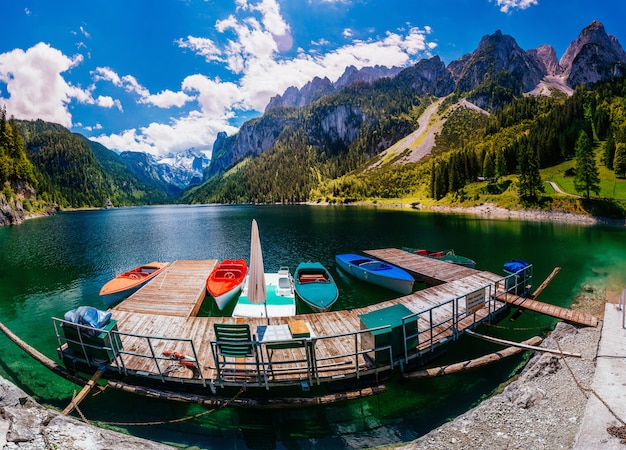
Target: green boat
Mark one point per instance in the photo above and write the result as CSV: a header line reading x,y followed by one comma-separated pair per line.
x,y
444,255
315,286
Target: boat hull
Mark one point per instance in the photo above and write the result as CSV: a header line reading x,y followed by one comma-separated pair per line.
x,y
315,286
280,299
444,255
376,272
226,280
129,282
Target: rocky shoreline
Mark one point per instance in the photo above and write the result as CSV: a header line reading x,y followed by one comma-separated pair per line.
x,y
24,424
491,211
543,407
540,409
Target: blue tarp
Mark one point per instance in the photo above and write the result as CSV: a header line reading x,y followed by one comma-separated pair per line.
x,y
515,265
88,315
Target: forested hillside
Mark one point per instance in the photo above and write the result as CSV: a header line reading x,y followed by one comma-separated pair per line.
x,y
75,172
528,134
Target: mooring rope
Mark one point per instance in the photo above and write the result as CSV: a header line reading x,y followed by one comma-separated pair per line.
x,y
588,389
164,422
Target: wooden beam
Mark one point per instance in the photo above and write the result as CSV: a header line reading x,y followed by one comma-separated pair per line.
x,y
520,345
547,281
83,393
470,364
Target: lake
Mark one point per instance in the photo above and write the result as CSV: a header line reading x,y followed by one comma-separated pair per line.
x,y
54,264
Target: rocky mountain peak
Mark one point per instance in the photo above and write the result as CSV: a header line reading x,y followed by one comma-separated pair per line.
x,y
594,56
497,53
319,87
546,56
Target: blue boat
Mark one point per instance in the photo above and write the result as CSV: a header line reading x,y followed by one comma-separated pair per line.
x,y
376,272
315,286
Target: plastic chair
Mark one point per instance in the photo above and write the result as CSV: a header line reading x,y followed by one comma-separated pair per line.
x,y
233,345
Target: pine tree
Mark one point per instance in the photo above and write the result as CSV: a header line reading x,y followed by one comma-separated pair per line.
x,y
619,163
500,165
609,152
489,165
587,175
528,171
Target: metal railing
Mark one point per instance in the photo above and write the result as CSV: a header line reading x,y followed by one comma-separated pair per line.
x,y
88,343
421,333
622,307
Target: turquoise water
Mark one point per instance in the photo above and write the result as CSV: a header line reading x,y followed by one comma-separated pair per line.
x,y
51,265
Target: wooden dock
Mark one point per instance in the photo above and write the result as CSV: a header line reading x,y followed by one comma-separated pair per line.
x,y
565,314
433,271
160,319
429,270
178,291
167,306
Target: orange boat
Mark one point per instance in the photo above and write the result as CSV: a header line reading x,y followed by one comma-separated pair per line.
x,y
224,283
128,282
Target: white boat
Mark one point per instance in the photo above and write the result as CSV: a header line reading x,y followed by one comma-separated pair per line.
x,y
279,302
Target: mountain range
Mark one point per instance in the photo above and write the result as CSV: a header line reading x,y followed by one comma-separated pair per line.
x,y
490,77
324,129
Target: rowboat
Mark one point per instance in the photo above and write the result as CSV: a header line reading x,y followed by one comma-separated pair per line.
x,y
225,281
376,272
130,281
444,255
280,300
315,286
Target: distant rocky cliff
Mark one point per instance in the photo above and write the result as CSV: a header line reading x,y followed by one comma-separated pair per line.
x,y
12,208
495,73
593,57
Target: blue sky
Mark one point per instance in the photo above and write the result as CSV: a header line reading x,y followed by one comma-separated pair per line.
x,y
165,76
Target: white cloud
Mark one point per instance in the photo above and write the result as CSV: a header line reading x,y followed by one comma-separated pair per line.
x,y
36,88
321,42
164,99
195,130
167,99
216,99
508,5
106,101
202,46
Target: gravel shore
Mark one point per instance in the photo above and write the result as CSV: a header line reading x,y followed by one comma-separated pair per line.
x,y
540,409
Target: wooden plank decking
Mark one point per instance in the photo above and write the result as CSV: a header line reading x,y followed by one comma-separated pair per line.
x,y
429,270
567,315
166,307
163,308
178,291
440,272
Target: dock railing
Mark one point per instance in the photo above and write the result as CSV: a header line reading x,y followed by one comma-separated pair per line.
x,y
96,347
438,324
308,361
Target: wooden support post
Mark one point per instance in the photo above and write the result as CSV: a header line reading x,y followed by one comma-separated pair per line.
x,y
517,344
470,364
83,393
543,285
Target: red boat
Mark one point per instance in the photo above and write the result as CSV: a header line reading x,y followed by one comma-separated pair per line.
x,y
224,283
